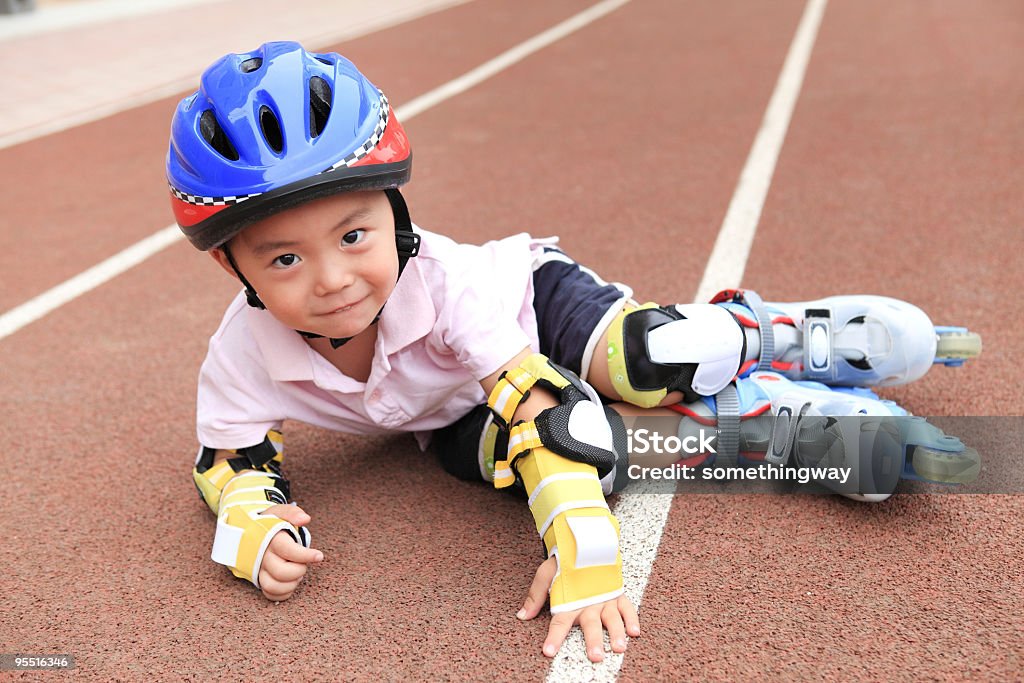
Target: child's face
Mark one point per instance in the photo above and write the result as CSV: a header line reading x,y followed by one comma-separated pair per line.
x,y
325,267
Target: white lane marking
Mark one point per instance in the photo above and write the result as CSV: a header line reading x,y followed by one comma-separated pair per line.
x,y
642,514
732,247
34,309
75,15
510,57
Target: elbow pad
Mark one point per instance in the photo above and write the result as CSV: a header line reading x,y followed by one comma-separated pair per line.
x,y
559,457
238,490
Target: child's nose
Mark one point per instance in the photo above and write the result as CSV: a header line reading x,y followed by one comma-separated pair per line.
x,y
332,277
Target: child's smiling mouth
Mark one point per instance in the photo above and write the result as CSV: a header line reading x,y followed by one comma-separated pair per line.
x,y
345,308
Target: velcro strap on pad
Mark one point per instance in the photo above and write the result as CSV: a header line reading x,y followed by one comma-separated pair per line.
x,y
266,456
211,482
522,439
512,389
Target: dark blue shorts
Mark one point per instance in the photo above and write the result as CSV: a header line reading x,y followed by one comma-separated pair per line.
x,y
573,306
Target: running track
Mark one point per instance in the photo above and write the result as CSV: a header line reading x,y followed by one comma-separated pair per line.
x,y
901,174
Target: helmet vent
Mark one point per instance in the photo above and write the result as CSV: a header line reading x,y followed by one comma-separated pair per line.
x,y
271,129
319,105
214,134
251,64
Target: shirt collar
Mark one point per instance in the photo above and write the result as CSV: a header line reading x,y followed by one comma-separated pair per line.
x,y
409,314
285,353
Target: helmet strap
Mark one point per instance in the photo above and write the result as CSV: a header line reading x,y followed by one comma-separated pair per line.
x,y
407,242
250,294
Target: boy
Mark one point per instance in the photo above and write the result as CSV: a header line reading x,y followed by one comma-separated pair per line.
x,y
286,165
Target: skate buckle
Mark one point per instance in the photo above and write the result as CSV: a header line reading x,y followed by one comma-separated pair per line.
x,y
818,344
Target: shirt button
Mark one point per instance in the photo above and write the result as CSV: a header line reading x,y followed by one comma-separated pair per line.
x,y
374,396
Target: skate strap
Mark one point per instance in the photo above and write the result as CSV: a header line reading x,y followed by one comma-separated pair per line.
x,y
753,301
789,410
818,362
727,402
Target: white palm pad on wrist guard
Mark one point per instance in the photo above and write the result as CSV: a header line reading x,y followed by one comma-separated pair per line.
x,y
577,428
237,490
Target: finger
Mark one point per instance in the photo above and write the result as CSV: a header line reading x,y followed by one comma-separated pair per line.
x,y
282,569
616,629
292,514
284,546
629,616
538,593
593,633
276,590
558,630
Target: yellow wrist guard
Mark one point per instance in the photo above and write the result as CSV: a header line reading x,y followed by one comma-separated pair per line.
x,y
238,490
243,531
558,457
573,518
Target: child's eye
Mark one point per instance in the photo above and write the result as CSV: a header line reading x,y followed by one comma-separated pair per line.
x,y
286,260
354,237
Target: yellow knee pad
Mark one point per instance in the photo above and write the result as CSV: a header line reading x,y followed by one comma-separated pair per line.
x,y
617,370
696,349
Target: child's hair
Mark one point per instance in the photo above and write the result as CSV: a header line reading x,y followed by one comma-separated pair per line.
x,y
274,128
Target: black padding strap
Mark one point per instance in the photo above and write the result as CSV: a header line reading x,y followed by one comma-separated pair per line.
x,y
645,374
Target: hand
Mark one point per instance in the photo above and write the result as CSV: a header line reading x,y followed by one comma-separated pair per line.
x,y
618,616
285,561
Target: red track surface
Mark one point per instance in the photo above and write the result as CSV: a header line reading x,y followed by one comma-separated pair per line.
x,y
901,174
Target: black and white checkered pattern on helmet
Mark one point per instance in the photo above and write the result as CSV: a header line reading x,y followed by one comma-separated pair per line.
x,y
375,137
210,201
351,159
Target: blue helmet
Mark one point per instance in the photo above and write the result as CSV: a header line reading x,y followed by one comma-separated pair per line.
x,y
274,128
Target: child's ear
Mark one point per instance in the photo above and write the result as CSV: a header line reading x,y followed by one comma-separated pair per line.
x,y
222,260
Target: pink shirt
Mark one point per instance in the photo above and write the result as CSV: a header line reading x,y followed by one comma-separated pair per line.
x,y
458,313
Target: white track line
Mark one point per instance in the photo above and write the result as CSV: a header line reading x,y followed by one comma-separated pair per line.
x,y
642,514
34,309
732,248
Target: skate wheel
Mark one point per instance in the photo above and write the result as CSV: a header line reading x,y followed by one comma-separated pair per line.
x,y
945,467
957,346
